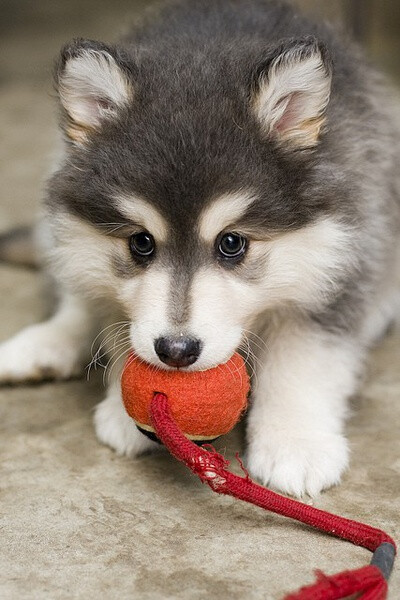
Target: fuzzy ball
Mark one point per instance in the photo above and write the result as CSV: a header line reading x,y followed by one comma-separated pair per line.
x,y
204,404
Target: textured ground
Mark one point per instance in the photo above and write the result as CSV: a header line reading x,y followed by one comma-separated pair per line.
x,y
78,521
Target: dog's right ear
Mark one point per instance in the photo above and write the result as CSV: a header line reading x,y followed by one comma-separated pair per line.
x,y
94,83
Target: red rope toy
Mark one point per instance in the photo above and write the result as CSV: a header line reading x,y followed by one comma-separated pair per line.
x,y
157,414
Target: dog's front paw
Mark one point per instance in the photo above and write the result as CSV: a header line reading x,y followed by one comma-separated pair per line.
x,y
115,428
38,353
295,464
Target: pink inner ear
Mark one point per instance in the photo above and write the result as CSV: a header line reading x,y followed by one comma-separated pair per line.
x,y
292,114
93,109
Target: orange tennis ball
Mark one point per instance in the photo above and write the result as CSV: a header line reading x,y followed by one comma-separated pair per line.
x,y
204,404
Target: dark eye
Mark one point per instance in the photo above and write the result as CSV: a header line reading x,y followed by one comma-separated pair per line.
x,y
232,245
142,244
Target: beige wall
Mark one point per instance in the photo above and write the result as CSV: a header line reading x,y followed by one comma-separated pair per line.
x,y
376,24
332,9
48,23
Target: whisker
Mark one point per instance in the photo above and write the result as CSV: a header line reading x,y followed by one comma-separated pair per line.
x,y
258,337
96,360
97,356
252,360
105,329
112,226
264,345
115,362
237,370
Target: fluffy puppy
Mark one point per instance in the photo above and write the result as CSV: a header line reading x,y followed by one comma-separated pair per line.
x,y
230,177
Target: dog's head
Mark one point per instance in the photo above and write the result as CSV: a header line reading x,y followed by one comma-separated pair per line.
x,y
193,189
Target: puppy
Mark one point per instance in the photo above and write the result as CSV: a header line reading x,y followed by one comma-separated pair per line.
x,y
230,179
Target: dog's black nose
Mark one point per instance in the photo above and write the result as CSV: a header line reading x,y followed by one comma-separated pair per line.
x,y
177,351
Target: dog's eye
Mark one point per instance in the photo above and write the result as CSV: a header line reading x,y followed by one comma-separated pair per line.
x,y
232,245
142,244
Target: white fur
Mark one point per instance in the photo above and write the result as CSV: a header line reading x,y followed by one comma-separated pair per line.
x,y
220,308
223,213
295,427
213,319
148,312
86,81
304,266
80,256
143,214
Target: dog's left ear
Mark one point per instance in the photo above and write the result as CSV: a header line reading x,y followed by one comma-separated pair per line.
x,y
94,83
290,92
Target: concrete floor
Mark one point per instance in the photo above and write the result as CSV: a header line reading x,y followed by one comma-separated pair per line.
x,y
78,521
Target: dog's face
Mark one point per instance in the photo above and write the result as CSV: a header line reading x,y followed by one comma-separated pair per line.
x,y
190,193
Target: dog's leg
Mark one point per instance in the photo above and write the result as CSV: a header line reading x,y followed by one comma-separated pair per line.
x,y
295,428
53,349
115,428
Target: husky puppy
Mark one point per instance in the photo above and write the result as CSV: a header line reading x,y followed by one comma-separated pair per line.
x,y
230,173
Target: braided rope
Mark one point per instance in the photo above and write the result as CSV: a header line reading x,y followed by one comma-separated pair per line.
x,y
211,468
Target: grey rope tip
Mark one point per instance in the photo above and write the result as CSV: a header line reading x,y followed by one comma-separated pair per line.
x,y
383,558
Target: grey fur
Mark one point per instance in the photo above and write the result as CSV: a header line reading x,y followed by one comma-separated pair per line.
x,y
190,135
